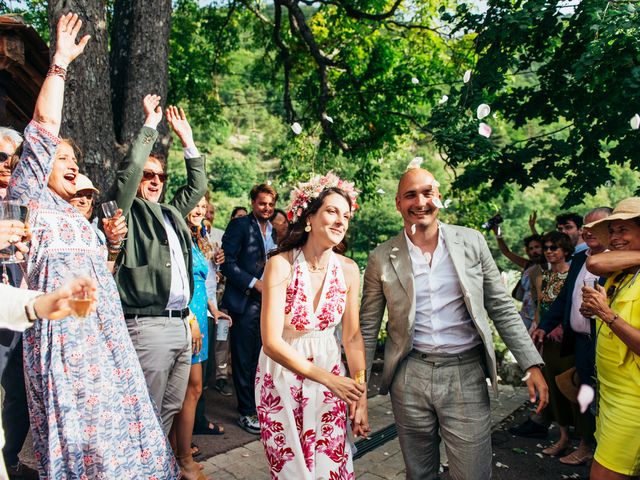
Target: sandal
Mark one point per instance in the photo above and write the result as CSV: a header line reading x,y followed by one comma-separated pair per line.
x,y
210,429
195,450
574,458
555,449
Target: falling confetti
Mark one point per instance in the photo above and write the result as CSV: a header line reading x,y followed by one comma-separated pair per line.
x,y
467,76
327,118
413,229
635,122
447,203
539,455
380,191
526,377
415,81
501,465
484,130
395,249
586,394
483,110
437,203
392,256
443,100
297,129
415,163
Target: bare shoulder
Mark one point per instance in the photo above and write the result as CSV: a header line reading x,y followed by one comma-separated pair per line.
x,y
350,267
278,267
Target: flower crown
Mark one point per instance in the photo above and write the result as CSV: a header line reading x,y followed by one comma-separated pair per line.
x,y
306,192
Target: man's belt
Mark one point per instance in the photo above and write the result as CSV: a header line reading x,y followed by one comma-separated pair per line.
x,y
167,313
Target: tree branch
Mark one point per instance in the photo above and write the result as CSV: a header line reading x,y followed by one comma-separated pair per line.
x,y
542,135
257,13
286,60
354,13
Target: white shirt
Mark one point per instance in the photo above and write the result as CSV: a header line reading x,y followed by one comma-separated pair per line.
x,y
443,323
13,317
179,293
578,322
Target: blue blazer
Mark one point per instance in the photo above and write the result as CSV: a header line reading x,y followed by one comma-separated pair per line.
x,y
245,259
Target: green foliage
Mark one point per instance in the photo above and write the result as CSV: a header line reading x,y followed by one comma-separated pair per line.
x,y
34,13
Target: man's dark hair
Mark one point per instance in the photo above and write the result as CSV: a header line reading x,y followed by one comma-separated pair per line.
x,y
560,239
263,188
565,218
161,158
532,238
281,212
237,209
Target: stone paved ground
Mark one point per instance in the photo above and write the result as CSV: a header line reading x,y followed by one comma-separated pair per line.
x,y
385,462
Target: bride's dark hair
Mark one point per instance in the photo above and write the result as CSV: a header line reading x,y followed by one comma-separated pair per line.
x,y
296,236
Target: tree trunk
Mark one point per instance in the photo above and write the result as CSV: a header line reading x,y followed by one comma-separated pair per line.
x,y
139,64
87,117
104,92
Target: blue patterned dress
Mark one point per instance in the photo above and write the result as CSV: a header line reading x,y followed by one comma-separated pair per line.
x,y
91,414
199,304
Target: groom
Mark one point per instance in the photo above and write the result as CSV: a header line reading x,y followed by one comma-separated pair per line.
x,y
437,281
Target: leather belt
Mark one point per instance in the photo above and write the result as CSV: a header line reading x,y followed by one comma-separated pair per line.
x,y
167,313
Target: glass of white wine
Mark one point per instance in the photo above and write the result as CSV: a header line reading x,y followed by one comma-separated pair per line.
x,y
81,302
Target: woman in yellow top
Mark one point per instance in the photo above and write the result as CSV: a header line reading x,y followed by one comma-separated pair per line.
x,y
617,307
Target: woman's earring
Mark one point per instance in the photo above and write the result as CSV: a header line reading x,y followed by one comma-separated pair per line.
x,y
307,228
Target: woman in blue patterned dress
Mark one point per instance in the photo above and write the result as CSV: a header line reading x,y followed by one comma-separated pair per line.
x,y
200,306
91,414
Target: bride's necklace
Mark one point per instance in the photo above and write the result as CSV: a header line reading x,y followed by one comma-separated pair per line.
x,y
316,268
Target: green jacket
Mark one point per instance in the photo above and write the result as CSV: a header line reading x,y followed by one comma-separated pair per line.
x,y
143,271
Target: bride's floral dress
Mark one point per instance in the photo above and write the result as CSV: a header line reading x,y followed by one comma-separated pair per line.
x,y
303,425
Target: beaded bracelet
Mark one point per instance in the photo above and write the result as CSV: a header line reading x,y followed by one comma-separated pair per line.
x,y
57,70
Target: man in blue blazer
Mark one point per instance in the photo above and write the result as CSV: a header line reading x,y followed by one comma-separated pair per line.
x,y
577,337
246,243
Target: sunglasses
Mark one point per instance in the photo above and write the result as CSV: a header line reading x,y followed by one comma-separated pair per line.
x,y
553,248
149,175
4,157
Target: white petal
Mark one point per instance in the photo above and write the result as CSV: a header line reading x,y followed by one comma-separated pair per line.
x,y
443,99
467,76
501,465
586,394
327,118
483,110
437,203
297,129
635,122
392,256
413,229
380,160
395,249
435,183
538,454
415,81
380,191
415,163
484,130
526,377
447,202
268,182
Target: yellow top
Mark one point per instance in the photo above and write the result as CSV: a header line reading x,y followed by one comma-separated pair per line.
x,y
625,301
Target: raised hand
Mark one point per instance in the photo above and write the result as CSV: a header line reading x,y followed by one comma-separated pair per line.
x,y
152,110
532,221
67,50
55,305
180,125
115,228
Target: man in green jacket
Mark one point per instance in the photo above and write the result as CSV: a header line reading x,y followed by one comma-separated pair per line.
x,y
154,268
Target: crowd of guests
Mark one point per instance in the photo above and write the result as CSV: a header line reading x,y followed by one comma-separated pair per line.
x,y
120,394
569,292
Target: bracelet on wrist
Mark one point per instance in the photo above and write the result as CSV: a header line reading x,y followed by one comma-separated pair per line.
x,y
56,70
612,321
361,377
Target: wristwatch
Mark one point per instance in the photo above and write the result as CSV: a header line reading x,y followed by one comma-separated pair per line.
x,y
30,309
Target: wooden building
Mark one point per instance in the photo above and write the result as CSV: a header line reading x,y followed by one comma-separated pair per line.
x,y
24,60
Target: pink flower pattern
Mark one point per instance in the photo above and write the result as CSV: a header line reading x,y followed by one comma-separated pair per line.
x,y
303,425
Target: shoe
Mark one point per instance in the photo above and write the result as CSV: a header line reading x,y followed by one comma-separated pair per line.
x,y
21,472
223,387
575,458
530,429
210,429
556,449
249,423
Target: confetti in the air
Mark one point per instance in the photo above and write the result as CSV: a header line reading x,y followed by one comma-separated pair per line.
x,y
297,129
415,163
413,229
327,118
415,81
380,191
443,99
501,465
437,203
484,130
467,76
447,203
635,122
526,377
586,394
483,110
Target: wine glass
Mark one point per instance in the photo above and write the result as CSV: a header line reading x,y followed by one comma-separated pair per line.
x,y
109,209
12,210
81,302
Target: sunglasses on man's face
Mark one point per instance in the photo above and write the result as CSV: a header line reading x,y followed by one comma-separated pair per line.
x,y
149,175
4,157
553,248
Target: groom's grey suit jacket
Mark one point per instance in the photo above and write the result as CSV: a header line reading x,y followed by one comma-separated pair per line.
x,y
388,281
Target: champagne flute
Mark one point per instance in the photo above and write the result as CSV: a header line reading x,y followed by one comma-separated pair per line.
x,y
109,209
81,302
12,210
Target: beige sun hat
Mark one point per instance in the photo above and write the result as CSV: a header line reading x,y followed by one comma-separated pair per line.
x,y
83,183
625,210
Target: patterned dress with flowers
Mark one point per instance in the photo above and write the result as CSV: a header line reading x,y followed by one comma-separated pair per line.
x,y
303,425
90,409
